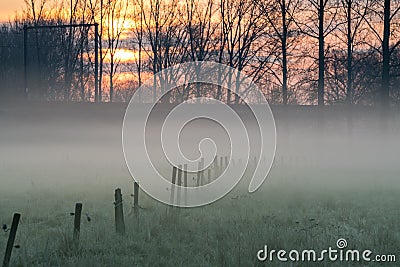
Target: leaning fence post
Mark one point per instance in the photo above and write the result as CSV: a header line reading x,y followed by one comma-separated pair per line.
x,y
119,213
77,222
11,239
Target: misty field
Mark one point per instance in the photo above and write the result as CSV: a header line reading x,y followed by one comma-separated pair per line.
x,y
323,186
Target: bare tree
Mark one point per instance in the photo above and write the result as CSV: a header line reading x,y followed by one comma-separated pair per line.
x,y
317,20
34,11
280,15
384,15
242,28
137,40
67,44
72,53
116,16
201,32
97,14
355,13
349,40
159,21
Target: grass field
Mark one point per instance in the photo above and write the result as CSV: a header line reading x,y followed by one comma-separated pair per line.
x,y
294,209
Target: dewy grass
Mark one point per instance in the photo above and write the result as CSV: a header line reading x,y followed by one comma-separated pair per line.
x,y
309,212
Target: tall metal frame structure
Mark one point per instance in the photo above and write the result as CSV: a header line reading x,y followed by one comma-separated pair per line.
x,y
96,53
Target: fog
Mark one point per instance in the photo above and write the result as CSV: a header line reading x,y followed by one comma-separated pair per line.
x,y
73,146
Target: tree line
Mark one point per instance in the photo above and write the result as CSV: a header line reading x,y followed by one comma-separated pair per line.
x,y
297,52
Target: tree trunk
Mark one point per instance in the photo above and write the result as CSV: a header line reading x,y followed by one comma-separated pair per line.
x,y
349,97
111,77
284,55
321,54
386,56
81,75
99,93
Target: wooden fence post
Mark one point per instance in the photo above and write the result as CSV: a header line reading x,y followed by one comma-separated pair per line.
x,y
215,165
221,165
77,223
209,175
119,213
202,172
185,181
198,173
172,199
178,196
11,239
226,161
136,202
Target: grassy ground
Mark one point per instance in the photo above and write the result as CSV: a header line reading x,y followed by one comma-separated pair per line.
x,y
295,209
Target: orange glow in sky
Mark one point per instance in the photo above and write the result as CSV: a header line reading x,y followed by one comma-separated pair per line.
x,y
123,56
8,9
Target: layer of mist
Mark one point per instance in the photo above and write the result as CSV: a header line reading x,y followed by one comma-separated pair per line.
x,y
71,145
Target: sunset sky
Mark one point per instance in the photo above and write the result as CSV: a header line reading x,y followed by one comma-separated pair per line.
x,y
9,7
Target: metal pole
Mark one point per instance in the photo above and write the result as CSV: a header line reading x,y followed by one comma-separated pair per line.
x,y
96,62
61,26
25,62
